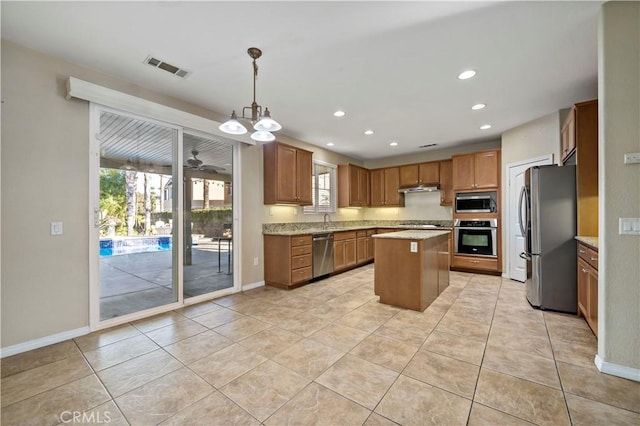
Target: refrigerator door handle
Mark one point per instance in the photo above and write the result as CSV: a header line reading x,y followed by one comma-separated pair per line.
x,y
525,256
522,192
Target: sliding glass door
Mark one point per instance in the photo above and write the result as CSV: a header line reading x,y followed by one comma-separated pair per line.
x,y
162,212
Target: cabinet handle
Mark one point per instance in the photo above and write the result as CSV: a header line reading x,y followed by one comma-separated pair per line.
x,y
584,271
582,251
475,261
594,258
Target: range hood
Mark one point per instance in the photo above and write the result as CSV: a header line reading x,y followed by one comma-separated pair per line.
x,y
425,187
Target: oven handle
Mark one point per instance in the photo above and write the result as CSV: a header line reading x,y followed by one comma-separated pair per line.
x,y
476,227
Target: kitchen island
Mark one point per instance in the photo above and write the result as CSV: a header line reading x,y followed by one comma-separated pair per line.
x,y
411,267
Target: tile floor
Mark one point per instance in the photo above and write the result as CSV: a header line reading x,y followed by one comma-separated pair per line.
x,y
330,354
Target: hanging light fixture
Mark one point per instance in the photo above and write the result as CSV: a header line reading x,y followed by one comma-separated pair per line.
x,y
262,122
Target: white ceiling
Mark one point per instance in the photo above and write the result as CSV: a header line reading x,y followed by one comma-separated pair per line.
x,y
391,66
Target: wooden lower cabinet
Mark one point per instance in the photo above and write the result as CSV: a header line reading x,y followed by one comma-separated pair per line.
x,y
588,285
364,246
287,260
344,250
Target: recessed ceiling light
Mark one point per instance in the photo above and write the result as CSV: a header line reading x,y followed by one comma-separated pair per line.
x,y
478,106
330,144
393,144
339,113
485,126
466,74
368,132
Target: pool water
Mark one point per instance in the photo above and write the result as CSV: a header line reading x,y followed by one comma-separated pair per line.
x,y
114,246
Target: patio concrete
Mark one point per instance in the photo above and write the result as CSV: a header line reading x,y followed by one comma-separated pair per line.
x,y
138,281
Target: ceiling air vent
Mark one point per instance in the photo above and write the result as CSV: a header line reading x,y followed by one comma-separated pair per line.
x,y
158,63
429,145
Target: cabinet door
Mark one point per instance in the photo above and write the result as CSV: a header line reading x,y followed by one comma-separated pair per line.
x,y
363,186
463,173
409,175
350,252
286,181
304,166
486,170
377,188
583,288
391,185
593,301
338,256
446,183
361,250
429,172
370,248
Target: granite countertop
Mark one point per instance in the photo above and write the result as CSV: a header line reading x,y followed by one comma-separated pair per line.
x,y
412,234
590,241
306,228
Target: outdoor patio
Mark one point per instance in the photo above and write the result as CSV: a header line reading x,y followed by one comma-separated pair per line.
x,y
138,281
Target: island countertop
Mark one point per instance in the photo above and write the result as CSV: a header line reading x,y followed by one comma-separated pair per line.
x,y
412,234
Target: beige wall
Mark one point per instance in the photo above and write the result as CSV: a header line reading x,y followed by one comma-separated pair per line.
x,y
45,285
531,140
619,184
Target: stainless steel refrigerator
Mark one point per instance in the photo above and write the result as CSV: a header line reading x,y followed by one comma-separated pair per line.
x,y
548,201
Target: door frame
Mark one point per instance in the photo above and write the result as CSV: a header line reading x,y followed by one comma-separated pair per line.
x,y
537,161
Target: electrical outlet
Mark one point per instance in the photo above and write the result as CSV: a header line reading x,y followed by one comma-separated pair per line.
x,y
255,261
414,246
632,158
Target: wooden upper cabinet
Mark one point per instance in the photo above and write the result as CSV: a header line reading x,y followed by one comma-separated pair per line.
x,y
479,170
446,183
580,129
287,174
353,186
384,188
423,173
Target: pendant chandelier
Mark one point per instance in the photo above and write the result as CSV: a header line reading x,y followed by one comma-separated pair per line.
x,y
262,122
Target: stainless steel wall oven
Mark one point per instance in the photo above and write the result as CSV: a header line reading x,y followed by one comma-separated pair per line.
x,y
476,236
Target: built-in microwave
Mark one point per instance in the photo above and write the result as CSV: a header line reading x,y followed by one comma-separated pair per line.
x,y
476,202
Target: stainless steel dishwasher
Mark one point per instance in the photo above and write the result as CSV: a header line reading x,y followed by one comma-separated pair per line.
x,y
322,254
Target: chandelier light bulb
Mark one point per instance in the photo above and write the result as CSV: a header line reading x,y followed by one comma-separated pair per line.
x,y
233,126
262,136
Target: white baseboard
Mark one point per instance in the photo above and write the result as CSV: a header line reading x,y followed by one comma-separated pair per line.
x,y
617,370
43,341
252,285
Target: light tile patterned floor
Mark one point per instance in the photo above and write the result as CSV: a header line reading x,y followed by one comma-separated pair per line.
x,y
328,354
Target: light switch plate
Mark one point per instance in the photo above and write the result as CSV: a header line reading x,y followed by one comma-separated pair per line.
x,y
414,247
629,226
56,228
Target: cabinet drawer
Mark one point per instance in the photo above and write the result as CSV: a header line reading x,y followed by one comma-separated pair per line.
x,y
592,258
298,262
339,236
302,274
475,263
361,234
582,251
302,240
299,251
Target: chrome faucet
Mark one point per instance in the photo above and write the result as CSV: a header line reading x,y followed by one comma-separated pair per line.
x,y
326,221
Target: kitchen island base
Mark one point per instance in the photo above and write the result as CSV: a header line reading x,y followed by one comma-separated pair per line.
x,y
411,267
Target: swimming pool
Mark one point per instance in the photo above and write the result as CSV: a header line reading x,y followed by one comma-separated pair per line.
x,y
114,246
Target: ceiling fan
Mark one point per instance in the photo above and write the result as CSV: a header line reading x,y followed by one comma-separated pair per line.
x,y
196,163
